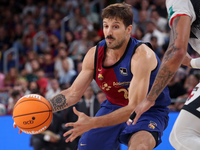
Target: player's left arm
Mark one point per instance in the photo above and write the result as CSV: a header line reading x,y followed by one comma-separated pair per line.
x,y
142,63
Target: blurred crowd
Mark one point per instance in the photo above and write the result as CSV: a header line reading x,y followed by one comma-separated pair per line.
x,y
43,43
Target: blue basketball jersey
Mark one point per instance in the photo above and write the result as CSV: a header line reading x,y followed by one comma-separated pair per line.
x,y
115,80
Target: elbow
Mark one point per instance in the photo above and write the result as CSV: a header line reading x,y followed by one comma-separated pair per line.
x,y
175,54
181,53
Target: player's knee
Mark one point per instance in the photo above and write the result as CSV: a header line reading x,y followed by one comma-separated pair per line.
x,y
174,140
141,146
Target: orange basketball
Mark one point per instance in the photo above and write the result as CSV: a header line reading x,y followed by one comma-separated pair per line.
x,y
32,114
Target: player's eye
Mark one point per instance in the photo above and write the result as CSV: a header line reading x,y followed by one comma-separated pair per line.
x,y
105,26
116,27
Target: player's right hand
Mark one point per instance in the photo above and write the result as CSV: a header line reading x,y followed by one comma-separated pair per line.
x,y
15,126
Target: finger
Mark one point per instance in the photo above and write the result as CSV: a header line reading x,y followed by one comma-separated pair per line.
x,y
136,119
68,139
131,118
14,125
128,122
71,137
76,111
68,133
20,131
70,124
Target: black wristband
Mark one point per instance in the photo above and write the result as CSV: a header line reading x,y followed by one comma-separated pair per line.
x,y
132,116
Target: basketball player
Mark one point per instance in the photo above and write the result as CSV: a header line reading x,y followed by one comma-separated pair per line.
x,y
124,68
184,20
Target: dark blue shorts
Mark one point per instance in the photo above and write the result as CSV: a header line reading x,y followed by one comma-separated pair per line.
x,y
109,138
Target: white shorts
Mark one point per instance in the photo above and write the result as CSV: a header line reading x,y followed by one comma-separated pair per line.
x,y
185,134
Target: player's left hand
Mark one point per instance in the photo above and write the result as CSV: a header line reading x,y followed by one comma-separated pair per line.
x,y
15,126
83,124
139,110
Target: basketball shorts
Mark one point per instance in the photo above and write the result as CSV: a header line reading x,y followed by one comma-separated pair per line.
x,y
109,138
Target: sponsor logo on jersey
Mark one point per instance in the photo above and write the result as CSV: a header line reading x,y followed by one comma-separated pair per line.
x,y
118,84
100,77
105,86
123,71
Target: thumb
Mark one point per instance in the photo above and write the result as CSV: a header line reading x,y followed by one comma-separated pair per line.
x,y
76,111
136,119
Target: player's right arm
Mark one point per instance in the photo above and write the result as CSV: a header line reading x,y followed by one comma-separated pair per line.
x,y
73,94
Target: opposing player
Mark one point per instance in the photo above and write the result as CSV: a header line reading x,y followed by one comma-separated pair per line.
x,y
185,134
124,68
184,20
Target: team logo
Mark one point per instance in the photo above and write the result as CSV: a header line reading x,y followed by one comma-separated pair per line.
x,y
29,121
123,71
100,77
152,125
82,144
105,86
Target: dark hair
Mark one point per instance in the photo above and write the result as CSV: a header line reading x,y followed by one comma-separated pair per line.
x,y
122,11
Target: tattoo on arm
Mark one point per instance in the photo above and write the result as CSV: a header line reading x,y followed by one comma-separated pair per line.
x,y
160,83
58,102
165,73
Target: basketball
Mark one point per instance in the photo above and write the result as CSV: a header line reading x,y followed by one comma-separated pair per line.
x,y
32,114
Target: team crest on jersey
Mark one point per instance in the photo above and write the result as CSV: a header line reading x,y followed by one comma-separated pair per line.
x,y
100,77
152,125
123,71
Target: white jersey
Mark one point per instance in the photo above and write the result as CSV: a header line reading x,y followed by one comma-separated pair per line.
x,y
185,134
190,8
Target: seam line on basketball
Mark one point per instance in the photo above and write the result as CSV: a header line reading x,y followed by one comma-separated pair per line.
x,y
32,113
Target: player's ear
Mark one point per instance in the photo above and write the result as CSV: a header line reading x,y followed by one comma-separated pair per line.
x,y
129,29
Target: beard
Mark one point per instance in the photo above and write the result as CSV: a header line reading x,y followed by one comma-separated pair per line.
x,y
115,44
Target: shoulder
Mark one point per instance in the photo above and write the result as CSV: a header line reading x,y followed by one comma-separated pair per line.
x,y
143,51
88,61
144,56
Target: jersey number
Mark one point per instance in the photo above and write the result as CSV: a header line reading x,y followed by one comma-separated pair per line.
x,y
125,92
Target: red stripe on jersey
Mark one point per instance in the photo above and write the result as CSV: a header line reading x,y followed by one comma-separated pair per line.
x,y
106,80
175,17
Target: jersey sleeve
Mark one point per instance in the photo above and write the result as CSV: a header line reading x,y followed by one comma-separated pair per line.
x,y
177,8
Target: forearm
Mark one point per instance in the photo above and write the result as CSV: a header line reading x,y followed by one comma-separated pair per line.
x,y
116,117
174,55
170,64
63,100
